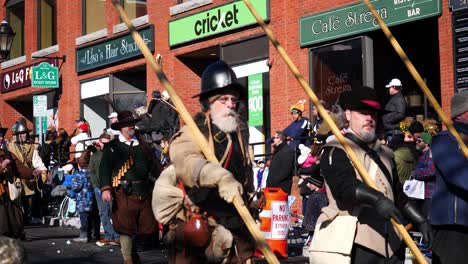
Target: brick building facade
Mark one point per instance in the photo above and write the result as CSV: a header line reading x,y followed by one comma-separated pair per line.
x,y
427,40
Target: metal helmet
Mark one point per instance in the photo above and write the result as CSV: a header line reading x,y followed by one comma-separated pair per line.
x,y
20,127
218,78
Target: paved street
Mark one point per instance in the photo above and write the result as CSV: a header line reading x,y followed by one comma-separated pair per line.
x,y
54,245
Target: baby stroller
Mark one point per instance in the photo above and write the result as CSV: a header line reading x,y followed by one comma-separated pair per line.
x,y
62,201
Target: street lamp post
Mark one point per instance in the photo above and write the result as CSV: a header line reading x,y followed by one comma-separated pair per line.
x,y
6,39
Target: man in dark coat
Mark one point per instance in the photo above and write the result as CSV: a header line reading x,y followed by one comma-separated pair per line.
x,y
395,108
282,164
164,117
449,209
124,170
372,236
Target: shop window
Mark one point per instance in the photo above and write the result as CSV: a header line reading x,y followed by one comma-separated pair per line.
x,y
15,17
134,8
47,22
93,18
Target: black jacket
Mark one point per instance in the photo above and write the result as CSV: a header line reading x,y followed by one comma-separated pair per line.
x,y
396,108
281,168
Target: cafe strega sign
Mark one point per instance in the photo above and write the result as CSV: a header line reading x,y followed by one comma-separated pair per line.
x,y
355,19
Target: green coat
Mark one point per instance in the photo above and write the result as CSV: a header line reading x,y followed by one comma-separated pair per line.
x,y
405,163
115,154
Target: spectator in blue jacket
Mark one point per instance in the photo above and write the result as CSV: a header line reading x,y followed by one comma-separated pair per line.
x,y
85,205
449,212
299,129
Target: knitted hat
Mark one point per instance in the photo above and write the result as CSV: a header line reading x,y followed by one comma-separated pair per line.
x,y
426,137
298,107
459,103
304,152
84,127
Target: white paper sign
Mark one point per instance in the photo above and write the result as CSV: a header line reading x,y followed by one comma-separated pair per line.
x,y
279,220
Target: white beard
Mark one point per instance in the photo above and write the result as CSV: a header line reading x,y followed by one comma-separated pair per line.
x,y
226,121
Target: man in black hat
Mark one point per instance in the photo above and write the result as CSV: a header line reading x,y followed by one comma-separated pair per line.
x,y
126,165
372,235
213,186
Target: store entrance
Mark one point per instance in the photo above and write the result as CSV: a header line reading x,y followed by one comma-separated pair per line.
x,y
420,42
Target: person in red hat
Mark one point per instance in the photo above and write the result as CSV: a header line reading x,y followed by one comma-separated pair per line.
x,y
81,140
370,237
126,165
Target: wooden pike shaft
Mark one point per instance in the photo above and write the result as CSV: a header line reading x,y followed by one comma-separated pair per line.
x,y
357,164
198,136
417,78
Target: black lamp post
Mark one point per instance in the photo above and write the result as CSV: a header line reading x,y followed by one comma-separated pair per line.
x,y
6,39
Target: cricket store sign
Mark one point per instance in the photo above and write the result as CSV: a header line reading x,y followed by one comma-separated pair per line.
x,y
221,19
355,19
112,50
255,84
20,78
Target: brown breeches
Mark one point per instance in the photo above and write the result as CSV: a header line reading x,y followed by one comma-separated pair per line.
x,y
132,215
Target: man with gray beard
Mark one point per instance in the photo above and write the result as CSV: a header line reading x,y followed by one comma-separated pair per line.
x,y
126,165
211,187
374,239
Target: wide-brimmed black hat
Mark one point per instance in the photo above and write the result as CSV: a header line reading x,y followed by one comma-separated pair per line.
x,y
125,118
360,98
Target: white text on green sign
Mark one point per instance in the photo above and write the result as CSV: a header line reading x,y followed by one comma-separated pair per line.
x,y
44,76
355,19
217,20
255,87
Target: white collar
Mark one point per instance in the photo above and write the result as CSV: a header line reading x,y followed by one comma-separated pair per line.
x,y
133,139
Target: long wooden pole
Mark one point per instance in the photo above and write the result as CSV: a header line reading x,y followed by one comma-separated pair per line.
x,y
198,136
417,78
336,131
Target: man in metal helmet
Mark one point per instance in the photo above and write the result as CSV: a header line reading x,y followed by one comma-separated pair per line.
x,y
27,153
213,186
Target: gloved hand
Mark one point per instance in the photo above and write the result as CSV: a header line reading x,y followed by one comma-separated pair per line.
x,y
213,175
413,214
229,188
384,206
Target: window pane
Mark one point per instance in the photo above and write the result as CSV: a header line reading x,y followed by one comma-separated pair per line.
x,y
16,20
47,27
95,18
135,8
128,101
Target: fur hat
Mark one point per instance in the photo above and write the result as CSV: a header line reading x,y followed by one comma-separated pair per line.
x,y
304,152
459,103
124,118
298,107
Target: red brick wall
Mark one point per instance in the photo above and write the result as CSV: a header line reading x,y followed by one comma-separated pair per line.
x,y
284,88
